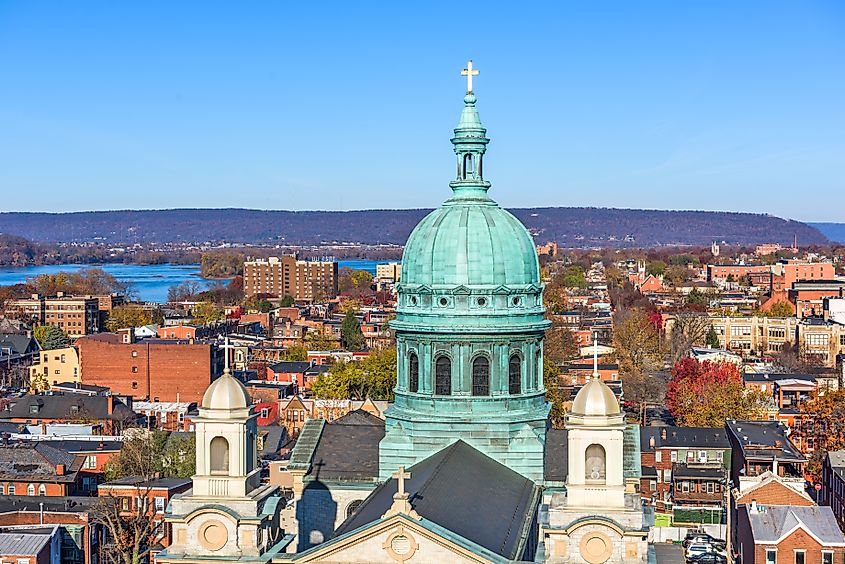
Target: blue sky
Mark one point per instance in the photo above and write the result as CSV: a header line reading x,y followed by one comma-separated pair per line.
x,y
729,105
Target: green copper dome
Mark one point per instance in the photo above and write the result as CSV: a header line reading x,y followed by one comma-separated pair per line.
x,y
470,240
469,327
470,243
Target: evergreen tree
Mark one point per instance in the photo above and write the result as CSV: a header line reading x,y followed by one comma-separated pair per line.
x,y
350,330
712,339
50,337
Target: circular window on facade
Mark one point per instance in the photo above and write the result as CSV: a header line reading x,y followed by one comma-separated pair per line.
x,y
412,300
481,302
517,301
444,302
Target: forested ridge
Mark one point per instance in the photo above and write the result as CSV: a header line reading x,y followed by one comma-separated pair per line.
x,y
571,227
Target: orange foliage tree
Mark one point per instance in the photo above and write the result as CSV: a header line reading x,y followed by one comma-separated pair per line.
x,y
823,420
706,394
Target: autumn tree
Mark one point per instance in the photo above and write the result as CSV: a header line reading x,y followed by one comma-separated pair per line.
x,y
373,377
50,337
146,454
823,420
130,536
124,316
297,353
706,394
778,309
207,313
287,301
636,342
643,389
184,291
560,345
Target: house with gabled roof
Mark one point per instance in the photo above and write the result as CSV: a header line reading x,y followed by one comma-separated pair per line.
x,y
771,534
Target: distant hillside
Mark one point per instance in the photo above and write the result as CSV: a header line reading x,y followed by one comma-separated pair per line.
x,y
833,231
571,227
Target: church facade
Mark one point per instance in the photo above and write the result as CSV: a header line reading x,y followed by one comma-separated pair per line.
x,y
465,466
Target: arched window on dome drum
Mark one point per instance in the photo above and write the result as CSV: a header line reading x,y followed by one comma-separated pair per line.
x,y
515,374
469,166
595,465
219,455
413,373
481,376
443,376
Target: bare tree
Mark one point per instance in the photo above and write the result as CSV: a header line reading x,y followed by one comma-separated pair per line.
x,y
688,330
130,525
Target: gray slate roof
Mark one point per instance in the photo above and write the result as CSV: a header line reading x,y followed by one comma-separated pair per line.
x,y
36,463
60,406
556,456
836,458
766,440
466,492
24,542
348,448
20,344
770,522
683,437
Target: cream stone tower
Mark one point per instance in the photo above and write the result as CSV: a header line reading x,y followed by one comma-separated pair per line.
x,y
598,519
228,516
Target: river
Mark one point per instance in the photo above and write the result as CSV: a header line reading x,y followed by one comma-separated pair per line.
x,y
148,282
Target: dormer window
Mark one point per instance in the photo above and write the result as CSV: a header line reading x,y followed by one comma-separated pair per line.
x,y
33,408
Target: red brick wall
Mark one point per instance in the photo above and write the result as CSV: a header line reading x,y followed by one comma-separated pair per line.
x,y
169,372
53,490
799,540
50,518
774,493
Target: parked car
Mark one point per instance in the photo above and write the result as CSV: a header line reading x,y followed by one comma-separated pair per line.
x,y
699,537
708,558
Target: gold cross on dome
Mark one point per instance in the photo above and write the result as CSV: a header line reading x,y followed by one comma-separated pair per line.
x,y
469,72
401,476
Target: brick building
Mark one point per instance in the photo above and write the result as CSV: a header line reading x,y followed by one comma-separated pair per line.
x,y
755,335
37,469
764,446
79,536
287,276
106,415
821,340
152,369
684,465
734,271
30,545
76,316
832,493
770,534
809,295
787,272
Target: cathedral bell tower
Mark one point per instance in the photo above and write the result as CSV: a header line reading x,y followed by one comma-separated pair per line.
x,y
228,516
596,428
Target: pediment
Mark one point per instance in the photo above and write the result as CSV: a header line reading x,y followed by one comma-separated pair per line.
x,y
395,539
461,291
501,290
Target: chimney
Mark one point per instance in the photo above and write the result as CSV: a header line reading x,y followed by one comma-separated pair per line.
x,y
663,434
60,294
110,404
753,506
60,469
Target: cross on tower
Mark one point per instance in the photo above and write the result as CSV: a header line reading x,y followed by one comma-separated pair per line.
x,y
226,347
401,476
469,72
595,355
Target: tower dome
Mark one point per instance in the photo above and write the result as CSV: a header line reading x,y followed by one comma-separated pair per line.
x,y
226,393
595,399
